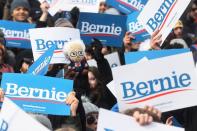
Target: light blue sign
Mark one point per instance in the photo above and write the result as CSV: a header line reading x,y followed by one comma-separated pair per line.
x,y
109,29
40,67
16,33
105,129
133,57
136,28
38,94
127,6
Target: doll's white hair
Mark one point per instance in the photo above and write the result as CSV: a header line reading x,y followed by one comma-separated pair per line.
x,y
67,46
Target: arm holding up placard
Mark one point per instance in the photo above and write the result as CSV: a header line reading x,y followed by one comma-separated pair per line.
x,y
42,22
73,102
153,43
144,116
155,40
70,100
44,7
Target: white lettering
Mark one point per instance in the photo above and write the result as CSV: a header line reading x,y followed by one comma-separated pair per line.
x,y
96,29
15,34
13,90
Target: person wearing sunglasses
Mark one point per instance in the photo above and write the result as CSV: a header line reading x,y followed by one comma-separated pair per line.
x,y
91,112
189,23
143,116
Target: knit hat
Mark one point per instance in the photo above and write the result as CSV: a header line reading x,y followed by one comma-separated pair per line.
x,y
19,3
179,24
179,42
43,120
88,106
2,38
112,11
63,22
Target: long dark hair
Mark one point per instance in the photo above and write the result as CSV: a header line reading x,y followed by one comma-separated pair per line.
x,y
96,93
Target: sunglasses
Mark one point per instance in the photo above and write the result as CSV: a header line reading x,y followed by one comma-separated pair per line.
x,y
91,119
2,41
194,9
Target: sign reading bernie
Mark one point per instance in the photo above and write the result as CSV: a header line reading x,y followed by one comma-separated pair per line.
x,y
110,32
162,15
127,6
166,84
16,33
55,36
39,94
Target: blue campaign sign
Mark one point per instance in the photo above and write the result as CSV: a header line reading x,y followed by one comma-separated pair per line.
x,y
109,29
133,57
127,6
136,28
105,129
16,33
38,94
40,67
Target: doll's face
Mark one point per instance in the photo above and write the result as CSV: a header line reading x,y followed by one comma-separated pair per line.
x,y
76,53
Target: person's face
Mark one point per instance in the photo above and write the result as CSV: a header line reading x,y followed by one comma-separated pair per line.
x,y
1,56
104,51
91,121
20,14
193,12
88,56
24,67
92,80
178,32
102,7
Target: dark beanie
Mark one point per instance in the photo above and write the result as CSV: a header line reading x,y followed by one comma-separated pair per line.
x,y
19,3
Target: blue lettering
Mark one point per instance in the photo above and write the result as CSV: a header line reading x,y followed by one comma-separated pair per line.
x,y
150,87
108,129
185,80
152,24
40,44
49,44
152,84
159,16
165,82
3,126
142,88
127,89
44,45
175,80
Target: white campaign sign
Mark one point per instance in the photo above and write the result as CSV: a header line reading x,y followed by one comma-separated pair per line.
x,y
112,121
162,15
92,62
83,5
55,6
113,60
44,38
15,119
111,85
162,83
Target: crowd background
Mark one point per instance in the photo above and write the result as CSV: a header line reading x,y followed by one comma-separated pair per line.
x,y
90,87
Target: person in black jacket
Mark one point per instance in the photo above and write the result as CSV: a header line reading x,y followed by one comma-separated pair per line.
x,y
102,63
187,117
98,92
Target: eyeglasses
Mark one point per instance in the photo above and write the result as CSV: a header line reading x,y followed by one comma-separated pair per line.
x,y
194,9
91,119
